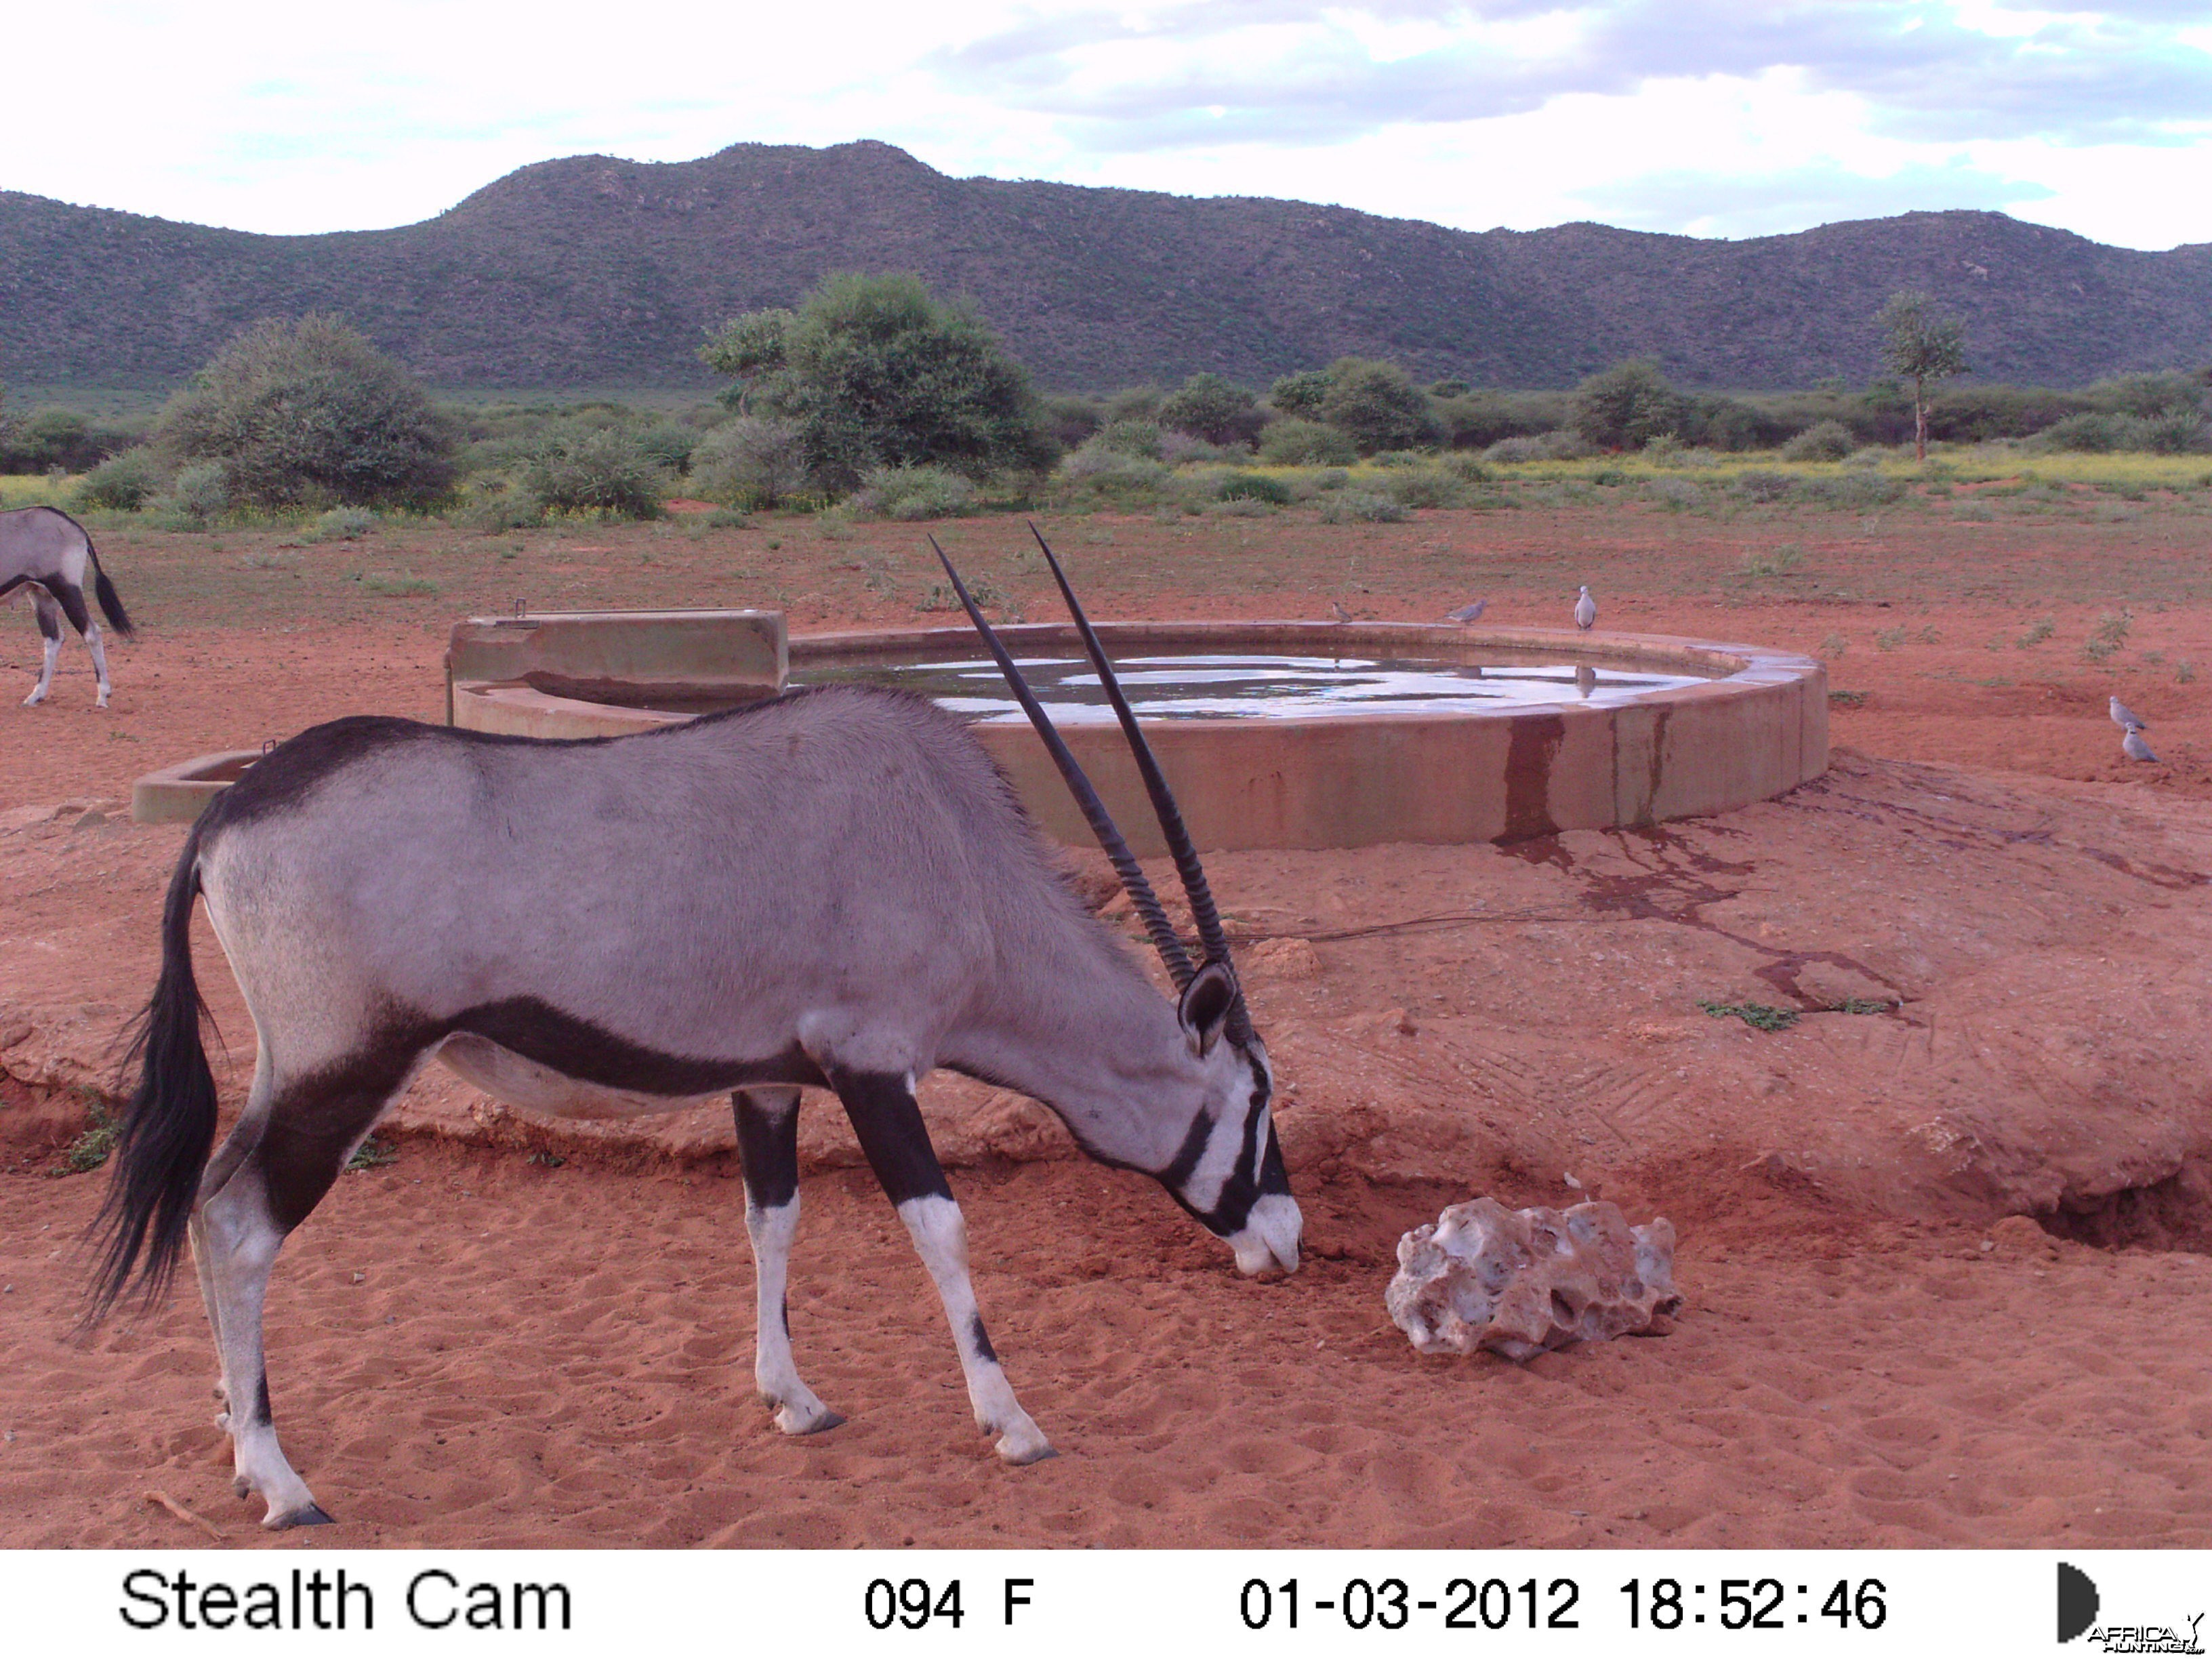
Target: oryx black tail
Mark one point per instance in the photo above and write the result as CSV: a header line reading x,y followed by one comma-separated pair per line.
x,y
111,602
168,1127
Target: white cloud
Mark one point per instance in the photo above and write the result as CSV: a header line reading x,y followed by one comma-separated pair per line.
x,y
1696,115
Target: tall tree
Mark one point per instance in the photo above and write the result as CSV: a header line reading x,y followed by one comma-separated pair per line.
x,y
1920,346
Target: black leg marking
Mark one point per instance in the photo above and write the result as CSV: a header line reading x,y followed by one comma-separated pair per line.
x,y
891,1132
783,1313
71,599
261,1412
315,1122
49,618
767,1150
982,1343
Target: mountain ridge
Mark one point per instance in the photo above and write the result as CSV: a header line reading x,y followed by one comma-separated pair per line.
x,y
594,271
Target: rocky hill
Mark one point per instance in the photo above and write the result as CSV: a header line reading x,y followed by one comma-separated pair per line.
x,y
596,272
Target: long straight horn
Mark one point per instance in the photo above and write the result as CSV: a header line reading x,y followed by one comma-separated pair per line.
x,y
1212,936
1139,890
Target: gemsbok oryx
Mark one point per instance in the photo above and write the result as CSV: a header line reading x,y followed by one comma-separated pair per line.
x,y
835,889
50,552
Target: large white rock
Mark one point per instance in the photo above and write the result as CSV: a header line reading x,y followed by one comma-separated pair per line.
x,y
1518,1282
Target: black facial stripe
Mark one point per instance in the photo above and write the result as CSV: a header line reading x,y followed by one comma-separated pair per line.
x,y
1186,1158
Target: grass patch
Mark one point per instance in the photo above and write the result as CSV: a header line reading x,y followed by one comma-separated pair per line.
x,y
91,1149
1757,1015
395,587
372,1154
2109,635
1861,1005
1847,699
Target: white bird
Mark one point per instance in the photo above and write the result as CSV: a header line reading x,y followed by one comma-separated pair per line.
x,y
1586,611
1468,613
2126,718
2133,746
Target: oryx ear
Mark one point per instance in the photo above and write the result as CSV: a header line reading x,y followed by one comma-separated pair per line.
x,y
1206,1004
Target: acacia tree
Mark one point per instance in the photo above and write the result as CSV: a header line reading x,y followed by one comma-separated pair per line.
x,y
1920,346
875,371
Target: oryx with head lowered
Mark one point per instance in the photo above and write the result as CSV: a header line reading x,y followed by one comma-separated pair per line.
x,y
43,549
835,889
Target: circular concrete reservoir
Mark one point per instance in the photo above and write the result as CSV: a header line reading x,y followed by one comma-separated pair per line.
x,y
1273,734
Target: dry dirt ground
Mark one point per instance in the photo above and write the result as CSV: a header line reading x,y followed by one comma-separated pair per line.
x,y
1944,1261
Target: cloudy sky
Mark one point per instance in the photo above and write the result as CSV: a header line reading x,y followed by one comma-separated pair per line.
x,y
1698,116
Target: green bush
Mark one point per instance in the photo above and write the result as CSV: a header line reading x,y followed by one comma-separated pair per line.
x,y
492,501
1299,442
670,445
1424,486
56,440
1255,487
605,472
1209,407
874,371
123,483
910,493
1141,439
196,494
305,412
1829,441
1095,479
1069,419
1625,406
1765,487
1301,394
344,523
1377,406
1476,419
1361,507
2149,395
1565,445
1852,492
750,461
2175,432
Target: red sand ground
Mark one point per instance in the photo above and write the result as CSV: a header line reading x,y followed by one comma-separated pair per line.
x,y
468,1348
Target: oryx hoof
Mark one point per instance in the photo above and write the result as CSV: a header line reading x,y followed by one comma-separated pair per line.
x,y
1022,1444
34,700
310,1514
795,1421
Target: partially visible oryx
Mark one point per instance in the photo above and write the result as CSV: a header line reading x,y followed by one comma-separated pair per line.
x,y
51,551
835,889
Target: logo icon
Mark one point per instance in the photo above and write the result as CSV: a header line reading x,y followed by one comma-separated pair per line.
x,y
2077,1600
2079,1605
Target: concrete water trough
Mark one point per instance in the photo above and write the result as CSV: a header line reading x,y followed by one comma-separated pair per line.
x,y
1273,734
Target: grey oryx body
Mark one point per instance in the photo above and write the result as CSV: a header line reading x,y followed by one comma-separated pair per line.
x,y
47,551
835,889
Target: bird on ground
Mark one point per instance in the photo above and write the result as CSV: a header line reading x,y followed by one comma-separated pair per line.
x,y
1342,615
2133,746
1468,613
2126,718
1586,611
